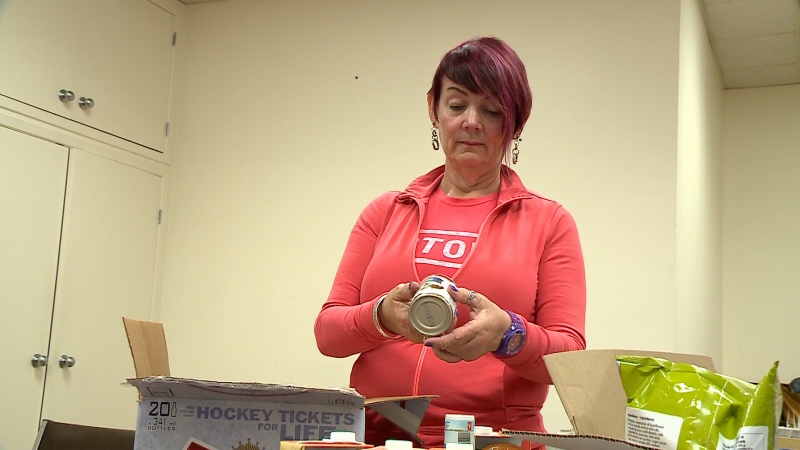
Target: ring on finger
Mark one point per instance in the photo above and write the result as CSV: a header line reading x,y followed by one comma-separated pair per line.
x,y
471,297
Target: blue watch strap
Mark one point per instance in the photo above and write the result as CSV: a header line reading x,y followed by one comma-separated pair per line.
x,y
514,338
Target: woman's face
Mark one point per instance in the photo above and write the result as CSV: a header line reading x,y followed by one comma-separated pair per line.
x,y
470,126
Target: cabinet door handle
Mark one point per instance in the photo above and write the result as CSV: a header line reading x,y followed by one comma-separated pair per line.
x,y
39,360
85,103
66,96
66,361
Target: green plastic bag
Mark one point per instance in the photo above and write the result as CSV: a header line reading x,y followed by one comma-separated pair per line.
x,y
676,406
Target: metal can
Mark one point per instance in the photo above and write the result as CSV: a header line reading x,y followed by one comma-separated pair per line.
x,y
433,311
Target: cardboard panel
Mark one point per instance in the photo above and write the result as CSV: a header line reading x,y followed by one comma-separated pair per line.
x,y
406,413
148,345
62,436
574,442
787,443
588,384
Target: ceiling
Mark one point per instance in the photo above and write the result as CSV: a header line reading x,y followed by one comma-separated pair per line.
x,y
756,42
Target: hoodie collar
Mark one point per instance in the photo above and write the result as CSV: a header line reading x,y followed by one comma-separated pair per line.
x,y
422,187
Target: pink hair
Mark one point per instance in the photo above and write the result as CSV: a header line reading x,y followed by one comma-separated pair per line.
x,y
488,66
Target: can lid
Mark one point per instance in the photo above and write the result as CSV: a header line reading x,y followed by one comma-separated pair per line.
x,y
437,279
430,315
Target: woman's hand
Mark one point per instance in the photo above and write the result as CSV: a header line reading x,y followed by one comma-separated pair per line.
x,y
481,334
393,312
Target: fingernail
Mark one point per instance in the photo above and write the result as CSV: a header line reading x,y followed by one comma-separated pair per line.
x,y
427,344
457,313
453,288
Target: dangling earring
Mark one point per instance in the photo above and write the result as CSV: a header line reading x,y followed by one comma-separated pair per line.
x,y
434,137
515,150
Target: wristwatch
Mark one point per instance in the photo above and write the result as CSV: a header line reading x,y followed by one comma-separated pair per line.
x,y
513,339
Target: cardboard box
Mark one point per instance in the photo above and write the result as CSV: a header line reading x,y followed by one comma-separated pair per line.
x,y
496,440
322,445
188,414
172,411
588,384
787,443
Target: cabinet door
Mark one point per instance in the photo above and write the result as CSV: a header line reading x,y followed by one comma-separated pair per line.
x,y
36,50
106,271
126,68
32,178
118,53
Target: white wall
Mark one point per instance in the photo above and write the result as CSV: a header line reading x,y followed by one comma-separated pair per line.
x,y
761,239
699,191
295,114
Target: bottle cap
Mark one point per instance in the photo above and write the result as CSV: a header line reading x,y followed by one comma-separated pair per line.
x,y
343,436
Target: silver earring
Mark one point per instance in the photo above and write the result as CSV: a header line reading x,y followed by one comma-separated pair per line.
x,y
434,138
515,150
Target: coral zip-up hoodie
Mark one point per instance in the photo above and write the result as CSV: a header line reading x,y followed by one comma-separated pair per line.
x,y
527,259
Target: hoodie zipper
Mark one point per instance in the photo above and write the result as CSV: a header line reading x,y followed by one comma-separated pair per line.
x,y
424,350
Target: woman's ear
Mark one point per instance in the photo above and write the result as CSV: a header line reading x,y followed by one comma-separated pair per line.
x,y
432,110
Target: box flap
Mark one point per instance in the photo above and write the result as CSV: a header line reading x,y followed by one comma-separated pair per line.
x,y
61,435
148,347
405,412
588,384
308,445
787,443
165,387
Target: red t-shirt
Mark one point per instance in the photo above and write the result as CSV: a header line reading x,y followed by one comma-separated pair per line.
x,y
449,231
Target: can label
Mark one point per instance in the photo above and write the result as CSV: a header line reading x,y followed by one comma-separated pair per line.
x,y
432,310
459,429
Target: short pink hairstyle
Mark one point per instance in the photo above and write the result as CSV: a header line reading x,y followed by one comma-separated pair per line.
x,y
488,66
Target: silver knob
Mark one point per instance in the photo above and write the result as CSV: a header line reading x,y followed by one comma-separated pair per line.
x,y
66,361
85,103
66,96
39,360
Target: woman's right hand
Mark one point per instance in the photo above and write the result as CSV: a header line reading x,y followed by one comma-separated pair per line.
x,y
393,312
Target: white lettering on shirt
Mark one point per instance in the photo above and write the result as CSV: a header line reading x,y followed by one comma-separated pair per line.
x,y
444,248
460,246
431,241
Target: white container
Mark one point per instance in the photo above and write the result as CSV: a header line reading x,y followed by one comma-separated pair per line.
x,y
398,444
459,429
483,430
457,446
343,436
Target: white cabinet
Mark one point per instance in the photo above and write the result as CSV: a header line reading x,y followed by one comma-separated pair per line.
x,y
106,270
115,54
32,180
67,279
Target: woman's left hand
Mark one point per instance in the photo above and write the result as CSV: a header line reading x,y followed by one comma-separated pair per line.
x,y
481,334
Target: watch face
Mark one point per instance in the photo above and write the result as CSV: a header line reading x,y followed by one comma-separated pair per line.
x,y
515,342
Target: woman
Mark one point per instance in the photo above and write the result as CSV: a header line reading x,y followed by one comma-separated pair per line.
x,y
514,255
